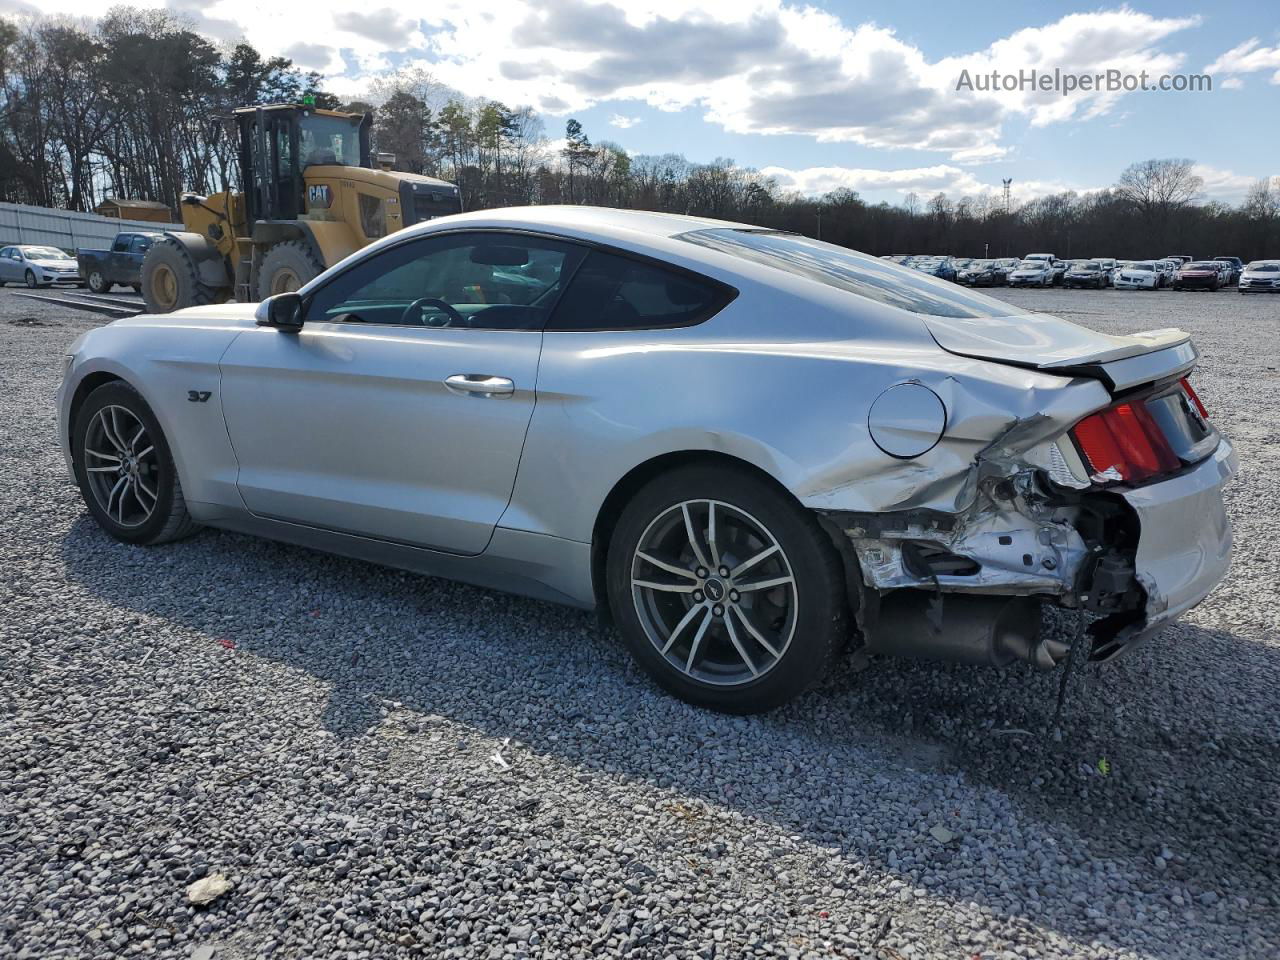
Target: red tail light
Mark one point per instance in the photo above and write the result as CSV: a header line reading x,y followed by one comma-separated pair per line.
x,y
1125,440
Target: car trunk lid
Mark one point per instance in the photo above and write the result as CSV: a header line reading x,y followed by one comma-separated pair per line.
x,y
1045,342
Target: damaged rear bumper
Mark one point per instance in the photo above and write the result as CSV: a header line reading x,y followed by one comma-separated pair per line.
x,y
962,586
1184,549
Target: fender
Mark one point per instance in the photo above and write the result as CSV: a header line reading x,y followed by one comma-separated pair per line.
x,y
210,264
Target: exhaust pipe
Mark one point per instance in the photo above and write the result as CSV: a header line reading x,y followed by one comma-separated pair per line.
x,y
992,631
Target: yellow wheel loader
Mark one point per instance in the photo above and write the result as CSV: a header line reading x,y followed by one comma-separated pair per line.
x,y
311,197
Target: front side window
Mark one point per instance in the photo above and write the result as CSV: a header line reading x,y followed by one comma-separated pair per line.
x,y
141,244
476,280
612,292
854,273
121,244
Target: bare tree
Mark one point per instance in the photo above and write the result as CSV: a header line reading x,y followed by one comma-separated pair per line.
x,y
1158,187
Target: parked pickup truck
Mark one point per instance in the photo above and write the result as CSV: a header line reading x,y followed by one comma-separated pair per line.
x,y
122,264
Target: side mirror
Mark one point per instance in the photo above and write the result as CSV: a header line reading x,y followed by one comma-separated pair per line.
x,y
283,311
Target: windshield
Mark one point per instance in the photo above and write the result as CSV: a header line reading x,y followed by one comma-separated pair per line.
x,y
1210,265
329,140
853,272
1264,266
1088,266
1142,266
1031,265
44,253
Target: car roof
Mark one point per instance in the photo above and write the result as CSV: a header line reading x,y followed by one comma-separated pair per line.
x,y
603,221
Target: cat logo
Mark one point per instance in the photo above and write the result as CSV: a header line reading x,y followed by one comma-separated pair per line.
x,y
319,195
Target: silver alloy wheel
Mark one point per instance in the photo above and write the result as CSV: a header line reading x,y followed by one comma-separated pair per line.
x,y
121,465
714,592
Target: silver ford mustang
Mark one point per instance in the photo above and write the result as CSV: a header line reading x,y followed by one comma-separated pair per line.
x,y
742,446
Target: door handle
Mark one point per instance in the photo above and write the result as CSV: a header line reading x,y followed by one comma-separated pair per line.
x,y
480,384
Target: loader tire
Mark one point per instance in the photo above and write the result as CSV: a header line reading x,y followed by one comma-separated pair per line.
x,y
171,281
287,267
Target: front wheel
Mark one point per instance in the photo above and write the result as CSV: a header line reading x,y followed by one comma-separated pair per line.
x,y
32,282
125,470
726,590
287,267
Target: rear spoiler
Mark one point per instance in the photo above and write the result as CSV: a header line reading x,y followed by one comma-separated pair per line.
x,y
1128,372
1044,342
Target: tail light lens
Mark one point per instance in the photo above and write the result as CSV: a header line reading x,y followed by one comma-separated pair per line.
x,y
1124,443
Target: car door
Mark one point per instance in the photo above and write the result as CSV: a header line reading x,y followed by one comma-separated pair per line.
x,y
117,263
399,410
131,271
7,273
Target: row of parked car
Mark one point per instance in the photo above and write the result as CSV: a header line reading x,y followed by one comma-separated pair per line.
x,y
37,265
1179,271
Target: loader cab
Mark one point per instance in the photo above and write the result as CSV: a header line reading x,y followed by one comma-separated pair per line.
x,y
278,143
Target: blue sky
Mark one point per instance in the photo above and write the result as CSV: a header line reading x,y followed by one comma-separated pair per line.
x,y
821,94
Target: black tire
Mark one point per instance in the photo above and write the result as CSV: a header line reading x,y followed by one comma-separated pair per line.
x,y
98,283
137,287
171,280
816,617
168,518
287,266
32,283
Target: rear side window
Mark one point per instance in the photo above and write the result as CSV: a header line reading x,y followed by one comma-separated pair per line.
x,y
611,292
856,273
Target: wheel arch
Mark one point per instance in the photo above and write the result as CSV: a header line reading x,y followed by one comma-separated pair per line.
x,y
89,383
642,473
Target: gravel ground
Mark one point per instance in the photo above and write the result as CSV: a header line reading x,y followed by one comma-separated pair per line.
x,y
383,765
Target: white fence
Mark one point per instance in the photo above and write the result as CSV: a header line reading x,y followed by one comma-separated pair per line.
x,y
20,223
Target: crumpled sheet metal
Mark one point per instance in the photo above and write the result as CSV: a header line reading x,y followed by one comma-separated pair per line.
x,y
985,436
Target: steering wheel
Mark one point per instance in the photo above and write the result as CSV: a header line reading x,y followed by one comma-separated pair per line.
x,y
452,315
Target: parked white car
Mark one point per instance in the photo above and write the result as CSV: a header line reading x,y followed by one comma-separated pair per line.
x,y
1261,276
37,266
1032,272
1168,269
1143,275
1109,265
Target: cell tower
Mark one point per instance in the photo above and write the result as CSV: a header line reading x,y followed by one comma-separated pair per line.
x,y
1008,181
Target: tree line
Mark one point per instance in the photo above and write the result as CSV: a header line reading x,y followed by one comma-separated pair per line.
x,y
135,104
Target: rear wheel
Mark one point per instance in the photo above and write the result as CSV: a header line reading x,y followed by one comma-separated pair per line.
x,y
287,267
125,470
171,279
98,282
725,590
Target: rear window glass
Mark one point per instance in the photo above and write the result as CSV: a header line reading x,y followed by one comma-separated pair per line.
x,y
610,292
854,272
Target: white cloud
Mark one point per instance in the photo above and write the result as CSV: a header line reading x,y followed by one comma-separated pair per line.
x,y
750,66
1224,185
941,178
623,123
1248,57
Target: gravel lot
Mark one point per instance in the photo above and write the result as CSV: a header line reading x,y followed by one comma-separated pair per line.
x,y
384,765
